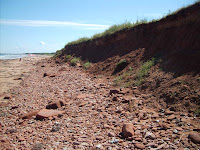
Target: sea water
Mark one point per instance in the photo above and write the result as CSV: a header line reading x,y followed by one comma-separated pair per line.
x,y
12,56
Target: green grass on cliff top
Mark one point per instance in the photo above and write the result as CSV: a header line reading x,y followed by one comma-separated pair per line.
x,y
109,31
115,28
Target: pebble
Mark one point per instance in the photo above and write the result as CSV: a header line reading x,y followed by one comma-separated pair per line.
x,y
139,146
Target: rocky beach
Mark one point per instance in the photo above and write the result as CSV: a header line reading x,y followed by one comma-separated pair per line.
x,y
57,106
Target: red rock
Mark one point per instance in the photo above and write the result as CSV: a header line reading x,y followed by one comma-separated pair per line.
x,y
150,135
4,104
138,139
139,146
29,115
45,113
55,105
111,134
169,112
105,126
152,144
82,96
81,103
3,139
195,137
128,130
171,117
164,126
20,138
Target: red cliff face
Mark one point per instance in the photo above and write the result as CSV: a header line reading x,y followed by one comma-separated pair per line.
x,y
174,39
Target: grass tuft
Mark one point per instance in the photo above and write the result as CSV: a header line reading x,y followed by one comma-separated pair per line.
x,y
87,65
68,57
74,61
143,71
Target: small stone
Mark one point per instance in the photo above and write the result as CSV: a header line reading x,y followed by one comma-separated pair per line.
x,y
11,131
152,144
164,126
20,138
128,130
115,99
171,117
82,96
105,126
55,105
138,139
6,97
114,140
111,134
55,128
114,91
150,135
175,131
161,146
169,112
195,137
99,146
139,146
37,146
29,115
46,113
76,143
3,139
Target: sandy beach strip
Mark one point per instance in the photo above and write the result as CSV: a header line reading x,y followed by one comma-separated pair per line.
x,y
13,71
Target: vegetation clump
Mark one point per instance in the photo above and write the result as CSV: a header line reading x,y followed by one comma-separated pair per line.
x,y
67,57
143,71
87,65
74,61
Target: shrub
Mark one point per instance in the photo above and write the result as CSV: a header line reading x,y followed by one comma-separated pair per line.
x,y
87,65
67,57
74,61
143,71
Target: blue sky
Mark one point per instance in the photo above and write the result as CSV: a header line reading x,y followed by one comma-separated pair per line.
x,y
48,25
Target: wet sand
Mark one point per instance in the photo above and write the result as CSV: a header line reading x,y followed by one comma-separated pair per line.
x,y
13,71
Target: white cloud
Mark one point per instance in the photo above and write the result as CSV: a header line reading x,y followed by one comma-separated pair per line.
x,y
39,23
42,43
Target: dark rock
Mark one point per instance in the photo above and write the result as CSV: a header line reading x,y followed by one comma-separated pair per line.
x,y
128,130
114,92
55,105
11,131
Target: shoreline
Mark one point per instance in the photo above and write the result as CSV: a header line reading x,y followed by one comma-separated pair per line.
x,y
13,71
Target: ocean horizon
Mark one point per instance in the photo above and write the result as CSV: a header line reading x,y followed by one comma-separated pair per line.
x,y
12,56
